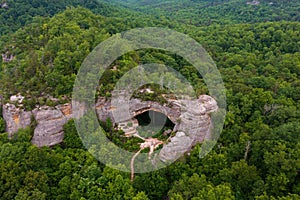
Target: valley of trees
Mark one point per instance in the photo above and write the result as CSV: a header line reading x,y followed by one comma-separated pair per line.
x,y
258,55
207,12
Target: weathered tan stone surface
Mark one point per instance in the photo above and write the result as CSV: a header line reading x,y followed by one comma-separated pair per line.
x,y
191,118
15,118
50,122
194,125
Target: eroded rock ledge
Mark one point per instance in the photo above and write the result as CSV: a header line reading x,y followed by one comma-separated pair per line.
x,y
50,122
191,118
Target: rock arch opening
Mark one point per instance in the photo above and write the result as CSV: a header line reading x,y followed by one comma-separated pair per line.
x,y
154,118
153,123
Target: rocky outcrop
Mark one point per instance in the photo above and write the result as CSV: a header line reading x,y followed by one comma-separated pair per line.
x,y
6,57
15,118
172,111
194,125
4,5
179,144
191,118
124,111
50,122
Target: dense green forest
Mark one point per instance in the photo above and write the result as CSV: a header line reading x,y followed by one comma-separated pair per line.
x,y
15,14
206,12
257,53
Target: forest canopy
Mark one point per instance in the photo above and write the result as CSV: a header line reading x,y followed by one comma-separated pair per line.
x,y
257,54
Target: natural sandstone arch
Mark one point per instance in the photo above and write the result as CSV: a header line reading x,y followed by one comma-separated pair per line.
x,y
192,120
142,111
138,107
152,122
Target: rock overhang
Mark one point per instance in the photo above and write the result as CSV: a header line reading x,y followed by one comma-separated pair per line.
x,y
191,118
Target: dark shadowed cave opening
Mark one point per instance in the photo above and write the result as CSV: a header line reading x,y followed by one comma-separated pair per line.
x,y
155,122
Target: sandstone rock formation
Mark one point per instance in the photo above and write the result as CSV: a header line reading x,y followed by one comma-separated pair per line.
x,y
50,121
191,118
15,118
193,127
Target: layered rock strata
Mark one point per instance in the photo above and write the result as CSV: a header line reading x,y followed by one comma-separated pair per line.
x,y
191,118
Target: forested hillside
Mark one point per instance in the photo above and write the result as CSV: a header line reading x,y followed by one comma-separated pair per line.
x,y
258,153
206,12
16,13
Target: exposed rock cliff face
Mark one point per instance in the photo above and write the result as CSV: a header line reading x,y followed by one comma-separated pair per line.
x,y
15,118
191,118
193,127
118,112
50,121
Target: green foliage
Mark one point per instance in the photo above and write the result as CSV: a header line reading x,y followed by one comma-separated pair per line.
x,y
30,195
197,188
71,137
207,12
157,184
23,135
19,13
54,52
2,125
257,156
140,196
188,187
